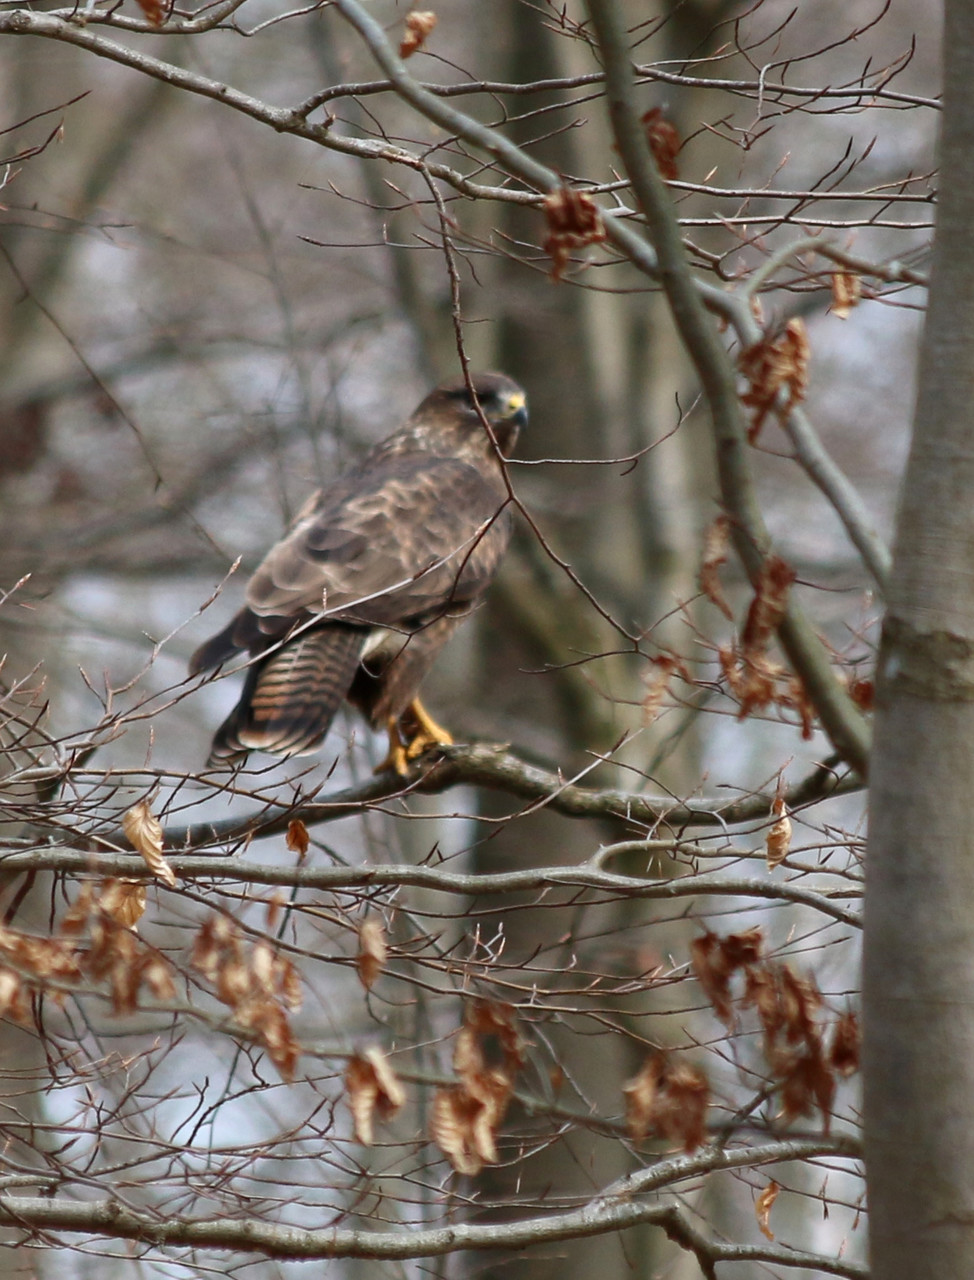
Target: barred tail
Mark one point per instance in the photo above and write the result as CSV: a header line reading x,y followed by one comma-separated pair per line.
x,y
291,697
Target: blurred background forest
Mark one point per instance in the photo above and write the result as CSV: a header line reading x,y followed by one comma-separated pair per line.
x,y
204,318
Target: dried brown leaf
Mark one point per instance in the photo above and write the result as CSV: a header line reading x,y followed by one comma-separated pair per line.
x,y
123,901
372,951
664,142
464,1119
844,1052
233,982
289,983
77,915
493,1018
741,949
768,607
361,1093
807,1083
778,839
373,1088
493,1091
669,1100
263,967
124,971
391,1093
715,960
681,1111
297,839
640,1097
846,292
157,974
763,1206
270,1023
715,548
452,1117
713,973
772,366
419,24
154,10
12,1003
468,1057
144,832
796,696
862,692
574,220
208,947
657,682
801,1001
761,990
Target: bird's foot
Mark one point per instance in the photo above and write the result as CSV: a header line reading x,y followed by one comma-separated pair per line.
x,y
410,737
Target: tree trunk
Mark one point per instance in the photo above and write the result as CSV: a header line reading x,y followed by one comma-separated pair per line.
x,y
919,942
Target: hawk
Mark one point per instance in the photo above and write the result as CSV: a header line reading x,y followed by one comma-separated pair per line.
x,y
375,574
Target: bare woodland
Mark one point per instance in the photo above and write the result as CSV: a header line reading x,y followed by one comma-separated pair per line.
x,y
581,991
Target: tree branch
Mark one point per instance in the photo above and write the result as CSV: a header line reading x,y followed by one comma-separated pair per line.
x,y
478,764
841,718
333,879
613,1210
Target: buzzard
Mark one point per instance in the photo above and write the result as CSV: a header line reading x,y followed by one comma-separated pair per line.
x,y
374,576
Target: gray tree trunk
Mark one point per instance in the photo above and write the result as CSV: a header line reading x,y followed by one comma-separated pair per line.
x,y
919,943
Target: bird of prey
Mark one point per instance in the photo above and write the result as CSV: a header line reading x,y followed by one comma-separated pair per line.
x,y
375,574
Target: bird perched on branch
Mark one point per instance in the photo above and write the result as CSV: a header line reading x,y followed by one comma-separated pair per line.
x,y
374,576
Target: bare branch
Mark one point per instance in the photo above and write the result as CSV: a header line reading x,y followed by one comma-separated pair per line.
x,y
614,1210
842,719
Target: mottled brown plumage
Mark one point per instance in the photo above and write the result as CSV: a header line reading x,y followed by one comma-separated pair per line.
x,y
374,576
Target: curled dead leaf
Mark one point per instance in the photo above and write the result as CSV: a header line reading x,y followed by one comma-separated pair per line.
x,y
493,1018
669,1100
640,1097
807,1084
154,10
464,1119
715,960
451,1128
862,692
297,838
657,681
144,831
844,1052
574,220
768,607
846,292
715,548
778,839
123,900
259,986
776,365
419,25
664,142
12,1003
372,951
763,1205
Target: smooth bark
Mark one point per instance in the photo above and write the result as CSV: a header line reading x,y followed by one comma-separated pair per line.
x,y
919,942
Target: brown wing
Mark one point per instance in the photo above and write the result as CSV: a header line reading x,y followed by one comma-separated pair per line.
x,y
401,540
399,544
394,543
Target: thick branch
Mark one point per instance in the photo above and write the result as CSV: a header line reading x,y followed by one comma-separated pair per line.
x,y
78,862
481,765
612,1211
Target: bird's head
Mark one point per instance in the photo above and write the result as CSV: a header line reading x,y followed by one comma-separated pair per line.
x,y
501,400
